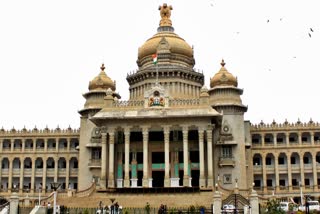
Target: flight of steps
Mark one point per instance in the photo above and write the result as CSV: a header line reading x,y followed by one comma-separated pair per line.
x,y
140,200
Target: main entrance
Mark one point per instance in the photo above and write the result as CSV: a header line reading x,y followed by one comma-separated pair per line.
x,y
158,178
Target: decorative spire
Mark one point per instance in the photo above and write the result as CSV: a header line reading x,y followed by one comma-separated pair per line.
x,y
102,67
222,63
165,13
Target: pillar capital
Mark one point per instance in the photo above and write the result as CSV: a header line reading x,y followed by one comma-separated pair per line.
x,y
210,127
127,130
201,130
166,128
145,129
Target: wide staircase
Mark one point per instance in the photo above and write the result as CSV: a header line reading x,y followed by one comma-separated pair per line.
x,y
136,200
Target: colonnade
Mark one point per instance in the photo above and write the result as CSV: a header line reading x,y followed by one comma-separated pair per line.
x,y
42,175
311,168
108,178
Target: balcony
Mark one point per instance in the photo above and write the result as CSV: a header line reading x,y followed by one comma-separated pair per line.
x,y
94,163
226,161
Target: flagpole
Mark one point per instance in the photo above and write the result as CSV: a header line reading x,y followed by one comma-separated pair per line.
x,y
157,78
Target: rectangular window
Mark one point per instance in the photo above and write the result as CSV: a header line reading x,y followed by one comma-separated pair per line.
x,y
269,182
268,161
282,182
293,160
226,151
279,140
307,182
295,182
257,183
281,161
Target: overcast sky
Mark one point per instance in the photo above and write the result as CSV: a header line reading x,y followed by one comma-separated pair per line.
x,y
50,50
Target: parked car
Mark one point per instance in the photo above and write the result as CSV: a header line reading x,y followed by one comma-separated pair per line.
x,y
313,205
228,208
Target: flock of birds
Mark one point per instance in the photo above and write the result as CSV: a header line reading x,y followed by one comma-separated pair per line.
x,y
268,20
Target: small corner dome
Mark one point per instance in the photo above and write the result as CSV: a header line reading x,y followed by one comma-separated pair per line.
x,y
102,81
223,78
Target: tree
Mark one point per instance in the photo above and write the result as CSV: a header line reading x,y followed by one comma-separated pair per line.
x,y
273,207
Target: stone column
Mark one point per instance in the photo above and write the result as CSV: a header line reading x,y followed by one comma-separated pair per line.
x,y
111,159
21,176
44,176
46,144
126,156
289,171
276,169
209,154
67,173
14,204
217,202
11,145
202,181
314,171
264,173
103,178
55,179
68,144
287,138
166,131
274,139
254,202
145,133
33,176
23,145
262,139
185,156
299,138
57,144
301,170
10,163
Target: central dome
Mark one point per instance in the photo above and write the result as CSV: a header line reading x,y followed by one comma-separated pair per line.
x,y
165,41
177,45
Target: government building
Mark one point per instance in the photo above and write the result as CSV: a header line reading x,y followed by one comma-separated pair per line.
x,y
174,134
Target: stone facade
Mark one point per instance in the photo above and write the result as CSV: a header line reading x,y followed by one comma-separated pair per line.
x,y
172,132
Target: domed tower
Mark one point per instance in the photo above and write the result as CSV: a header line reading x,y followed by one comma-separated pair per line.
x,y
97,91
230,148
167,59
95,101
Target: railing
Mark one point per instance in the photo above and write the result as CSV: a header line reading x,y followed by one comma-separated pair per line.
x,y
94,163
86,192
184,102
128,103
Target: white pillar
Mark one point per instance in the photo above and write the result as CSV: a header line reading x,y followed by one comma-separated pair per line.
x,y
111,159
185,156
145,180
201,157
166,131
209,154
126,156
103,179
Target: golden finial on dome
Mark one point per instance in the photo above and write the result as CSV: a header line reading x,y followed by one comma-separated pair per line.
x,y
165,13
102,67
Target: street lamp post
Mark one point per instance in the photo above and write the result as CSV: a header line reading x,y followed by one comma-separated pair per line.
x,y
55,186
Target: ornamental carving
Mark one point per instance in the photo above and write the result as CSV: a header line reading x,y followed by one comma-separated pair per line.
x,y
165,13
156,100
